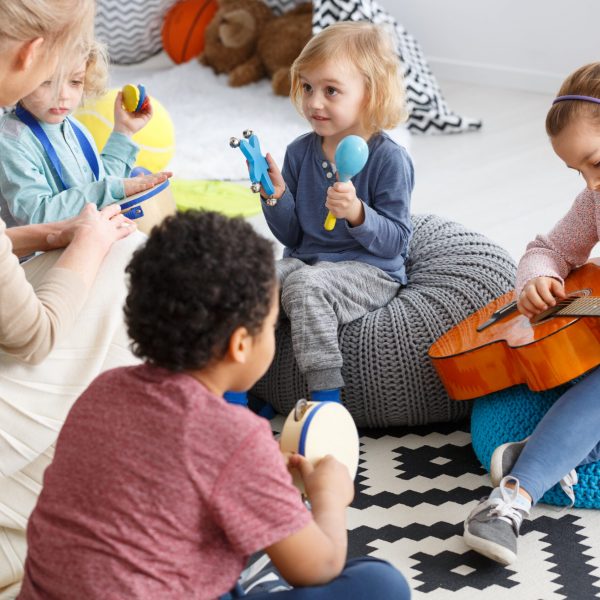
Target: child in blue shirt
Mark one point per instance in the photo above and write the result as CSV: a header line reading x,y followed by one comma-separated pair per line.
x,y
49,164
346,81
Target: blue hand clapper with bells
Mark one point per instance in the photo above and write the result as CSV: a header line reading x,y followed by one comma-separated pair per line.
x,y
257,164
351,155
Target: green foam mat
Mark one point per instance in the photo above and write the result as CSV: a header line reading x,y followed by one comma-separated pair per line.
x,y
231,199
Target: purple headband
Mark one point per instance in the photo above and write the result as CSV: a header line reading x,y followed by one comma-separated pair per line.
x,y
572,97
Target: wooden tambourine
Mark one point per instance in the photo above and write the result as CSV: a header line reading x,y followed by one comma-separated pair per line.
x,y
150,207
315,429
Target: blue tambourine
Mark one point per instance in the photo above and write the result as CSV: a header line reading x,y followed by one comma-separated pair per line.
x,y
150,207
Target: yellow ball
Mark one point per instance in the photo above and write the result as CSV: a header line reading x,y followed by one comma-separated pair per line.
x,y
156,140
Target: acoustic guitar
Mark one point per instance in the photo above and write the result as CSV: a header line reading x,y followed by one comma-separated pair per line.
x,y
497,347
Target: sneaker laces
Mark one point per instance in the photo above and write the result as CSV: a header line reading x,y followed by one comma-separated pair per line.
x,y
504,507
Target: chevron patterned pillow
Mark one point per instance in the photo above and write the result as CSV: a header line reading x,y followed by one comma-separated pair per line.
x,y
428,110
131,30
281,6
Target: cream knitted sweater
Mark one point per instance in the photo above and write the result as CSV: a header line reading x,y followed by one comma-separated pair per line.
x,y
31,321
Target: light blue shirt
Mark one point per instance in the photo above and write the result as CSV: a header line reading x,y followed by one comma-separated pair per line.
x,y
384,185
30,189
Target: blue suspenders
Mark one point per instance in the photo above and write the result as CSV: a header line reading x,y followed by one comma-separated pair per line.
x,y
40,134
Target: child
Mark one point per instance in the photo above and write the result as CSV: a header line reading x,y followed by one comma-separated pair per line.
x,y
161,489
569,433
49,166
345,81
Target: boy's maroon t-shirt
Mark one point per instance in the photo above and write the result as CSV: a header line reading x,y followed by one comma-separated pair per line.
x,y
158,489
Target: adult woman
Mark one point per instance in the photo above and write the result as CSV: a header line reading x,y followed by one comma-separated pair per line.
x,y
63,308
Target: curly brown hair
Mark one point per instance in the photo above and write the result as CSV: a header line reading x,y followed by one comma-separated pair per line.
x,y
197,279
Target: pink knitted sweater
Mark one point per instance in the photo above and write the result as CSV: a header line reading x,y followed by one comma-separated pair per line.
x,y
568,245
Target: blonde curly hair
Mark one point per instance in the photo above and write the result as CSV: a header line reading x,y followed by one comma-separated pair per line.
x,y
371,50
96,71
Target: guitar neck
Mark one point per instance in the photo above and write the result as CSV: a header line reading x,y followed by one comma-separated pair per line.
x,y
585,306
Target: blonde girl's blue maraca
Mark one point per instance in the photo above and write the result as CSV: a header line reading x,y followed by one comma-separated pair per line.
x,y
371,50
351,156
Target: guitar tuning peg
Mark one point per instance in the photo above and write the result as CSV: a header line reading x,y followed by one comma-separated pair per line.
x,y
255,187
234,142
247,133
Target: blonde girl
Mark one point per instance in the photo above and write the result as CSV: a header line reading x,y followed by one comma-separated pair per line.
x,y
346,81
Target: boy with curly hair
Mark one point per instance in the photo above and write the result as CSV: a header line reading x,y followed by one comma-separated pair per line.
x,y
159,488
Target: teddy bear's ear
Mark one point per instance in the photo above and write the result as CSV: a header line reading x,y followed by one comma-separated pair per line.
x,y
237,28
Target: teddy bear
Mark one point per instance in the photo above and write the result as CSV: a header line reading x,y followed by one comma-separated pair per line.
x,y
248,41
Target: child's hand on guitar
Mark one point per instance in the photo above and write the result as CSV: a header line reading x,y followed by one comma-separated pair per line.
x,y
326,482
276,179
539,294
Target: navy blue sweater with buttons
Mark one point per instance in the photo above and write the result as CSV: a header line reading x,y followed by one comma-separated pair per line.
x,y
384,185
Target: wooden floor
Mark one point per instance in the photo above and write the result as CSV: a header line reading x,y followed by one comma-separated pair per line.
x,y
504,180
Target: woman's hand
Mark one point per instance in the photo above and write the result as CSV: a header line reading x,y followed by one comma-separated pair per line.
x,y
539,294
276,179
105,226
129,123
343,203
141,183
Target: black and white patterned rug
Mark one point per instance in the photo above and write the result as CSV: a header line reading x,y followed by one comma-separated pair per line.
x,y
414,488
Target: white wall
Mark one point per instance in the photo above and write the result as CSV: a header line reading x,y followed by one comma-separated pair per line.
x,y
522,44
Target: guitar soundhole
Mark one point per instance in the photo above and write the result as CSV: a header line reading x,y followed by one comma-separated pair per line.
x,y
546,315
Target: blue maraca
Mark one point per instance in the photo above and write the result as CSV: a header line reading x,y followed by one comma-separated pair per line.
x,y
351,156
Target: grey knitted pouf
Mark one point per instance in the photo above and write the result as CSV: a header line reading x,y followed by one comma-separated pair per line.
x,y
389,379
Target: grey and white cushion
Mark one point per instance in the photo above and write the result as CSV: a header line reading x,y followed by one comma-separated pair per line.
x,y
389,378
131,30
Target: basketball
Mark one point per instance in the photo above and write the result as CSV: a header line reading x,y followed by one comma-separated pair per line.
x,y
183,28
156,140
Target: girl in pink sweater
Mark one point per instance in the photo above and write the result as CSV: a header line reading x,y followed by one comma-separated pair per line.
x,y
564,438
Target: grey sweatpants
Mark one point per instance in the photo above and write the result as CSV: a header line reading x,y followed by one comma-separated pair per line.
x,y
318,299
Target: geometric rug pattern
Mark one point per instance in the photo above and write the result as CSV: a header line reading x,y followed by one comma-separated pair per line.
x,y
414,488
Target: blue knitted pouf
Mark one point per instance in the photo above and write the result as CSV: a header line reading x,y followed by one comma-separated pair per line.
x,y
511,415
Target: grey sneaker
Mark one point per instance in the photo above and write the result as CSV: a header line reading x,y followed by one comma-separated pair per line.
x,y
505,457
493,526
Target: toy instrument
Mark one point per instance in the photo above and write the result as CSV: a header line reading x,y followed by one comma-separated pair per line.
x,y
498,347
135,98
351,155
150,207
315,429
257,164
